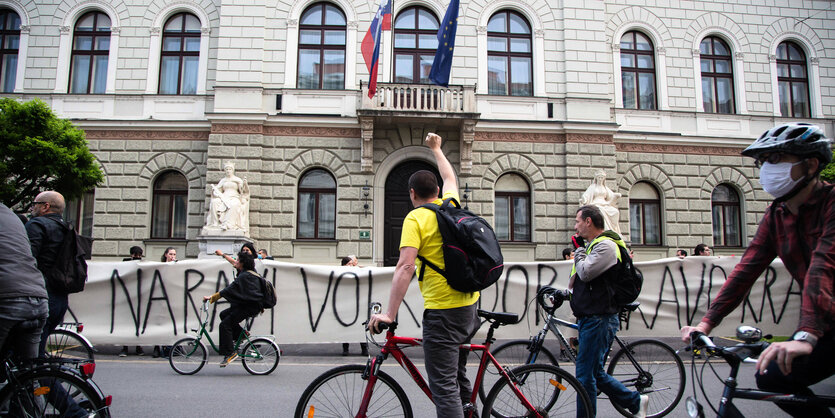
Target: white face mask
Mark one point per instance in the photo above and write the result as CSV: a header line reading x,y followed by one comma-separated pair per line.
x,y
776,179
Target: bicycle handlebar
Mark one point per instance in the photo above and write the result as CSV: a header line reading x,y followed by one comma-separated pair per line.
x,y
550,299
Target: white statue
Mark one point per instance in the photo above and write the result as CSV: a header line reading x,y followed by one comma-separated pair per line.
x,y
229,207
604,198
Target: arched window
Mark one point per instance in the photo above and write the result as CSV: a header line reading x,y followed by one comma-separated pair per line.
x,y
322,48
717,76
792,80
513,208
180,56
170,206
415,42
9,44
509,55
637,63
727,230
90,50
644,215
79,212
317,205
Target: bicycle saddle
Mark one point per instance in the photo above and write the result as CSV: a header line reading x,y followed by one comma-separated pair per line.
x,y
630,306
503,318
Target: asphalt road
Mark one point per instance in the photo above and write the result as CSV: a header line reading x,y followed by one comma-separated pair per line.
x,y
147,387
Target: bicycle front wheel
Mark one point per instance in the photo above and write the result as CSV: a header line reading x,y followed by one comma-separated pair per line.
x,y
662,377
339,392
551,391
65,344
512,354
52,393
261,356
187,356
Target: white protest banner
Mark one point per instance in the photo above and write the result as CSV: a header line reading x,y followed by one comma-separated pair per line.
x,y
147,303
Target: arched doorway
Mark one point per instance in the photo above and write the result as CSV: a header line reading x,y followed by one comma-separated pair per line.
x,y
398,205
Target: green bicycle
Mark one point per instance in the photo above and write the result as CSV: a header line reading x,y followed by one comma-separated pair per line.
x,y
259,356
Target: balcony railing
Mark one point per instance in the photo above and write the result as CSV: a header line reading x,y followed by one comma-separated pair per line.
x,y
420,98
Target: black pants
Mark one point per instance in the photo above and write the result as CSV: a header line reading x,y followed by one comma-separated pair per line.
x,y
806,371
230,328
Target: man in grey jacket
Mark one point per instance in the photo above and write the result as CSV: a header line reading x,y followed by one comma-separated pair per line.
x,y
23,299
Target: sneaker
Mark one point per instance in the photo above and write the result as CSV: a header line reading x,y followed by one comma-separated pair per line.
x,y
139,351
643,405
124,352
228,359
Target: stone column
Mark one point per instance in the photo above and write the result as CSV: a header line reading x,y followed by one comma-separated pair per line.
x,y
367,126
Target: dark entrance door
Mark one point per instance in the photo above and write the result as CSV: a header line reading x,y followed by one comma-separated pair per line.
x,y
398,205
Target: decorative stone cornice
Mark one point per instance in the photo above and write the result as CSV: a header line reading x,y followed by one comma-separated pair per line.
x,y
367,151
312,131
124,134
589,138
237,128
676,149
467,138
519,137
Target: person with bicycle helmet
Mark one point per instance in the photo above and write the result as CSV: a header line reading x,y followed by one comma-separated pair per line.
x,y
799,227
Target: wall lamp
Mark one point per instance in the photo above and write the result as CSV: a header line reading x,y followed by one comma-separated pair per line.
x,y
366,190
466,196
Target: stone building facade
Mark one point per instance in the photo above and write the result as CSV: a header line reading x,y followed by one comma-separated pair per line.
x,y
576,99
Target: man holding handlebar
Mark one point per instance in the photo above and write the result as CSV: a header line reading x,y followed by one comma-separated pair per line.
x,y
799,227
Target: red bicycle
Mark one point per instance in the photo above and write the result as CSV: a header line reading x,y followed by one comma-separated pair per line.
x,y
532,390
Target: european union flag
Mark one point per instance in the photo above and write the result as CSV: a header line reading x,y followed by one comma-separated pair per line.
x,y
446,43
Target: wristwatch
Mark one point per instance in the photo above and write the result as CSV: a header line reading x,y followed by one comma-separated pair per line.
x,y
805,336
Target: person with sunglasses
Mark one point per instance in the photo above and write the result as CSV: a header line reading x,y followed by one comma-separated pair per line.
x,y
799,227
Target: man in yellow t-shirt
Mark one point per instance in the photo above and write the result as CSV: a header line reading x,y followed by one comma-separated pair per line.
x,y
449,316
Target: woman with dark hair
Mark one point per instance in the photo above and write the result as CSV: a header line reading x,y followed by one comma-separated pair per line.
x,y
244,296
246,248
169,255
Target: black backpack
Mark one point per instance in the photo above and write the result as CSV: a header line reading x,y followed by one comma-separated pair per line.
x,y
628,286
268,300
472,255
69,272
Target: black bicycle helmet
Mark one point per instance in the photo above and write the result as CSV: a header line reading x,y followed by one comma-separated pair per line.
x,y
801,139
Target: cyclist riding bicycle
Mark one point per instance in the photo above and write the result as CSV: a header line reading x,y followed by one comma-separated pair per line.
x,y
244,296
799,227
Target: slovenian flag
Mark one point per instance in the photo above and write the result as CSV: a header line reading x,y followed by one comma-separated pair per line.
x,y
442,64
371,43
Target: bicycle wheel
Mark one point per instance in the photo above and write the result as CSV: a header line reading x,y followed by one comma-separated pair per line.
x,y
187,356
552,392
338,393
52,393
663,379
260,356
62,343
512,354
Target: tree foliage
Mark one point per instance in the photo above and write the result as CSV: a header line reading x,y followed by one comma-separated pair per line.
x,y
39,151
828,173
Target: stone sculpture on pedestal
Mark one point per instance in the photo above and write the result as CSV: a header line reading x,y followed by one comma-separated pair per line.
x,y
604,198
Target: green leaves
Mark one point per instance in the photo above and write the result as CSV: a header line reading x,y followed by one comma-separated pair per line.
x,y
828,173
39,151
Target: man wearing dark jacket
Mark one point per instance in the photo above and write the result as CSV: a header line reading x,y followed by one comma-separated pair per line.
x,y
595,265
23,296
244,296
46,232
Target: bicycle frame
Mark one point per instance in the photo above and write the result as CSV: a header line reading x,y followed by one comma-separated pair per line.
x,y
393,347
244,335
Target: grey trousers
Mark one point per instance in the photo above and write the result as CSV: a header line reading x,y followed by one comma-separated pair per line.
x,y
446,366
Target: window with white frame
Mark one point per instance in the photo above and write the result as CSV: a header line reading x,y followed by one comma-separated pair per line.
x,y
513,208
9,45
90,51
644,215
415,42
717,76
322,34
637,66
727,229
180,56
317,205
792,80
509,55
